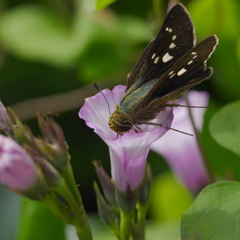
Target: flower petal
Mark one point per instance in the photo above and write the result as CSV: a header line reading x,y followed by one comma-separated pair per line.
x,y
128,152
95,111
181,151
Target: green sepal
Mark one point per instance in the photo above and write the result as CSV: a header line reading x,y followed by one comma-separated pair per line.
x,y
21,133
143,192
107,213
126,200
106,183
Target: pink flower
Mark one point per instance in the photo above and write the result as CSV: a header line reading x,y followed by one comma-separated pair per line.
x,y
128,152
182,151
17,169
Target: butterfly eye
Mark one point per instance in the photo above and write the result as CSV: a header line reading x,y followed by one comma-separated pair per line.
x,y
125,127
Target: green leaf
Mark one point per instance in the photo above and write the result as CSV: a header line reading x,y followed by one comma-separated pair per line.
x,y
215,214
217,154
94,5
100,4
38,223
225,127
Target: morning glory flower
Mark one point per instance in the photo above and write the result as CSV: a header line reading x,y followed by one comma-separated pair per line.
x,y
181,151
128,152
17,169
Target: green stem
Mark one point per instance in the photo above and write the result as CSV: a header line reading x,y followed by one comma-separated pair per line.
x,y
156,8
125,225
62,202
141,221
68,176
199,142
83,233
82,226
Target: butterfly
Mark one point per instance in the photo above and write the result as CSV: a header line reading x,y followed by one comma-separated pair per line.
x,y
170,64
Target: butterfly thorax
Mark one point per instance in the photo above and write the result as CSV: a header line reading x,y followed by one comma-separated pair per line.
x,y
132,98
123,119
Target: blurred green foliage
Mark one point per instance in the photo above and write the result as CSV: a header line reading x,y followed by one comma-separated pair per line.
x,y
55,230
48,47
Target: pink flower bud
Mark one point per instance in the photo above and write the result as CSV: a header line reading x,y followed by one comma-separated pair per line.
x,y
17,169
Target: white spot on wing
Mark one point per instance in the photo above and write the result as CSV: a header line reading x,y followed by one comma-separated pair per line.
x,y
172,45
194,53
174,37
167,57
183,70
172,75
190,62
153,55
156,60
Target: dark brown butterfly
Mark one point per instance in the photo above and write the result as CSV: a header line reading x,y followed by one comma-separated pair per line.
x,y
169,65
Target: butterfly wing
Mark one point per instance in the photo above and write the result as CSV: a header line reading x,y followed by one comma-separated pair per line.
x,y
187,72
175,38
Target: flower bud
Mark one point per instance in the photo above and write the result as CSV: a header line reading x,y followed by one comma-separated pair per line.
x,y
106,212
4,120
17,169
52,146
106,183
52,131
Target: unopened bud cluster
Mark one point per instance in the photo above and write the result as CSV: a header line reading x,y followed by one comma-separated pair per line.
x,y
117,206
31,165
39,168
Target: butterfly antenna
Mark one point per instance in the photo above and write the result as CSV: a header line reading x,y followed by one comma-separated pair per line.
x,y
189,134
100,90
161,125
179,105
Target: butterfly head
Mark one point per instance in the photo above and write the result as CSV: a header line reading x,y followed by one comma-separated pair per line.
x,y
119,122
